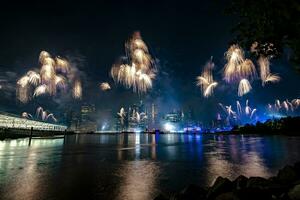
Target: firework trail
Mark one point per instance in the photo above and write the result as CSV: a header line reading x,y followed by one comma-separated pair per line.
x,y
77,89
23,89
238,107
44,115
105,86
34,78
252,113
209,90
40,90
242,115
51,116
122,115
60,82
54,74
265,75
40,115
244,87
284,108
62,65
137,70
296,103
39,111
27,115
205,80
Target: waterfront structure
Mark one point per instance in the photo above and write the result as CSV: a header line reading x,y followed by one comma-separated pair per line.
x,y
8,120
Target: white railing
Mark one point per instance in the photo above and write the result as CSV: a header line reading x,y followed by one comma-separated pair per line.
x,y
7,121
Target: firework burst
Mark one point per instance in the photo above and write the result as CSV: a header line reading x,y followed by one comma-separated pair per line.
x,y
137,70
239,69
265,75
244,87
41,114
105,86
54,74
243,114
284,108
205,80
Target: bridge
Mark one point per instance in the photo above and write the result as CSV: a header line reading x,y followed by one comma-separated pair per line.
x,y
8,121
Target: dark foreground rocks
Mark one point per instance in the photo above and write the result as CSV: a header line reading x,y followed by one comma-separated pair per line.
x,y
284,186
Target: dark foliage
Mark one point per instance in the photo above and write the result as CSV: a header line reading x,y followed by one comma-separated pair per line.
x,y
266,22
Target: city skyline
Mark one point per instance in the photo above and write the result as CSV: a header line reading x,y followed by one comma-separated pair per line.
x,y
180,53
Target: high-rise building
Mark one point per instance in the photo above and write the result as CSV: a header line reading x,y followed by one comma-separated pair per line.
x,y
88,119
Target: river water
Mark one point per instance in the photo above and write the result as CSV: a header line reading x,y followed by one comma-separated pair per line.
x,y
134,166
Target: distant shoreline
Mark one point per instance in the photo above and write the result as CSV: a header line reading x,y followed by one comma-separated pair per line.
x,y
288,126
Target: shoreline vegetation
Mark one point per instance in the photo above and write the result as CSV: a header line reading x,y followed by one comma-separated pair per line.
x,y
282,126
284,186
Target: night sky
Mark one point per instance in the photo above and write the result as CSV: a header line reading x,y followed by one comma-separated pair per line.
x,y
182,36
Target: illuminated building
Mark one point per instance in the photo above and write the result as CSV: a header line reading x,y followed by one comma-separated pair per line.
x,y
12,121
173,121
87,121
136,118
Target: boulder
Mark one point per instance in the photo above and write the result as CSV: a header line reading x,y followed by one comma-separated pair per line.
x,y
253,194
221,185
294,193
257,182
287,175
192,192
297,169
227,196
240,182
161,197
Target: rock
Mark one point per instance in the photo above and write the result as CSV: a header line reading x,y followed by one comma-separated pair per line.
x,y
297,182
240,182
257,182
287,175
294,193
297,169
221,185
253,193
192,192
161,197
227,196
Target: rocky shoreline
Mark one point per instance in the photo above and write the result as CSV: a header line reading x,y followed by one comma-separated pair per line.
x,y
284,186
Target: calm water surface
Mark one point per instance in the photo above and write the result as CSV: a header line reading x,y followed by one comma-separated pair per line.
x,y
134,166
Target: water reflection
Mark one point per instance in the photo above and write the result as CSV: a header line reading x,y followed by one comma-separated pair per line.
x,y
134,166
21,167
138,180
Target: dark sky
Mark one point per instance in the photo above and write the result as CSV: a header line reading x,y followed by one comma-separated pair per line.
x,y
182,35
